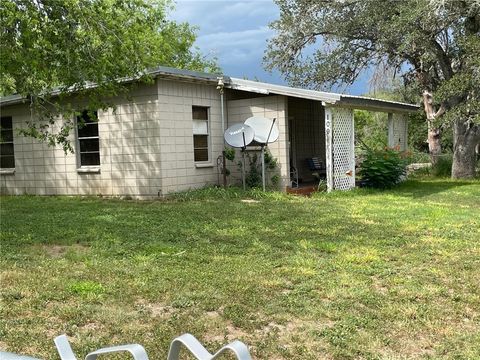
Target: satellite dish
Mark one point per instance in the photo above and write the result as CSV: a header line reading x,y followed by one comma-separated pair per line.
x,y
265,129
239,135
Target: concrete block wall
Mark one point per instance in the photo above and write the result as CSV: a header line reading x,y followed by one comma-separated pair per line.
x,y
179,170
146,147
270,107
125,161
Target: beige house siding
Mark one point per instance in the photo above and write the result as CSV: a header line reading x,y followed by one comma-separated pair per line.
x,y
177,164
269,107
146,147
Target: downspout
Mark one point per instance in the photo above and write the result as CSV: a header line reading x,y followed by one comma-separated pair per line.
x,y
220,88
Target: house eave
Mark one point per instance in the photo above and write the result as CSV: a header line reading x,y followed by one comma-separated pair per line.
x,y
12,100
267,88
371,104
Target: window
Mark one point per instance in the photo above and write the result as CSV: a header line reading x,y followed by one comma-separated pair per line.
x,y
88,140
200,133
7,155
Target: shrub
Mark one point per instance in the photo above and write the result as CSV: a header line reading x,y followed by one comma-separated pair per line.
x,y
229,153
383,168
253,176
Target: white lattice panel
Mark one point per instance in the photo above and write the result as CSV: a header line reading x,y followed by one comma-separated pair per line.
x,y
343,149
398,132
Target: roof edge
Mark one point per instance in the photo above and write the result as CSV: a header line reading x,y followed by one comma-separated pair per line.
x,y
333,99
267,88
160,71
372,104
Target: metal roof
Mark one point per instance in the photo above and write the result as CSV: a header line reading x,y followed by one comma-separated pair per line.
x,y
11,99
266,88
327,98
372,104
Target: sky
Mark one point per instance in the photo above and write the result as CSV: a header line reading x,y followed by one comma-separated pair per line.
x,y
236,33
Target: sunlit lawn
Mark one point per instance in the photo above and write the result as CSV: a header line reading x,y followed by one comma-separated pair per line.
x,y
364,274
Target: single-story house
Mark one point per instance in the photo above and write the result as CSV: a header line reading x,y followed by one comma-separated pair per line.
x,y
166,137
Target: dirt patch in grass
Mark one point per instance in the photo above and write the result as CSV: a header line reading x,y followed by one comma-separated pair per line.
x,y
58,251
156,310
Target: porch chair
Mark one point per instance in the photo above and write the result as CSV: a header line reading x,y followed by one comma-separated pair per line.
x,y
316,165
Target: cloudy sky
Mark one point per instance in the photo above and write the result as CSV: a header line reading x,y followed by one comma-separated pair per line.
x,y
236,32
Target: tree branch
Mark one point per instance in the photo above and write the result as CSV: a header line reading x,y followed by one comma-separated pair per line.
x,y
443,60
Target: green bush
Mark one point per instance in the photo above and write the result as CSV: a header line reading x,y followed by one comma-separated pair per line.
x,y
253,176
382,168
229,153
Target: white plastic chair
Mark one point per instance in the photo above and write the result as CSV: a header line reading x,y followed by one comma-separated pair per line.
x,y
239,349
66,353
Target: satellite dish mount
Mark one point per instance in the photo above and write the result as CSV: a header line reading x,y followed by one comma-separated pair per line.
x,y
266,132
240,136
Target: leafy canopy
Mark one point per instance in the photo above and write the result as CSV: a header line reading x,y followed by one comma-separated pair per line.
x,y
434,45
70,44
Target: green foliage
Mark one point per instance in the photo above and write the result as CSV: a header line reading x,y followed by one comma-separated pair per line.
x,y
270,162
419,157
382,168
253,176
417,133
432,45
69,45
322,185
443,167
275,180
371,128
229,153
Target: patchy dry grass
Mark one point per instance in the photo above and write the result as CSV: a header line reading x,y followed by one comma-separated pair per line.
x,y
364,274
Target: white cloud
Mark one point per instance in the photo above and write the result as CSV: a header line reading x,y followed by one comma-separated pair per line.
x,y
235,32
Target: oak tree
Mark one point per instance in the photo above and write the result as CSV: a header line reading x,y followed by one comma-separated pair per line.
x,y
433,44
53,48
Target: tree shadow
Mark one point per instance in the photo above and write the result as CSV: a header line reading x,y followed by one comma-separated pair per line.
x,y
412,189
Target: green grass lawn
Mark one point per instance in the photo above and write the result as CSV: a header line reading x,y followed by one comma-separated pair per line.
x,y
363,274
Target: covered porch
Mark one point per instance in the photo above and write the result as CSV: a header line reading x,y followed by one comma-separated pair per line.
x,y
317,131
322,139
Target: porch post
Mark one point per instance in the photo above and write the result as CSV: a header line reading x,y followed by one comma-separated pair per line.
x,y
391,136
397,131
328,148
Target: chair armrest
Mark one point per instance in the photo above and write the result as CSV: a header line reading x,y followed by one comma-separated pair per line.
x,y
238,348
63,347
138,352
196,349
66,353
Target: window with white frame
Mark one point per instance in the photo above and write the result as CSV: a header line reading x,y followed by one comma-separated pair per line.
x,y
88,139
7,153
200,133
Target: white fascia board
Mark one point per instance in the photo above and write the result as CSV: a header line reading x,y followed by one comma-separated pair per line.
x,y
265,88
249,89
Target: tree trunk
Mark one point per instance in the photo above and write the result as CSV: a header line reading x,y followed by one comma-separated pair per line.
x,y
466,137
434,144
434,132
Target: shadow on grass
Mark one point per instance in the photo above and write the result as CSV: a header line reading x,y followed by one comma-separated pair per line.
x,y
417,189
